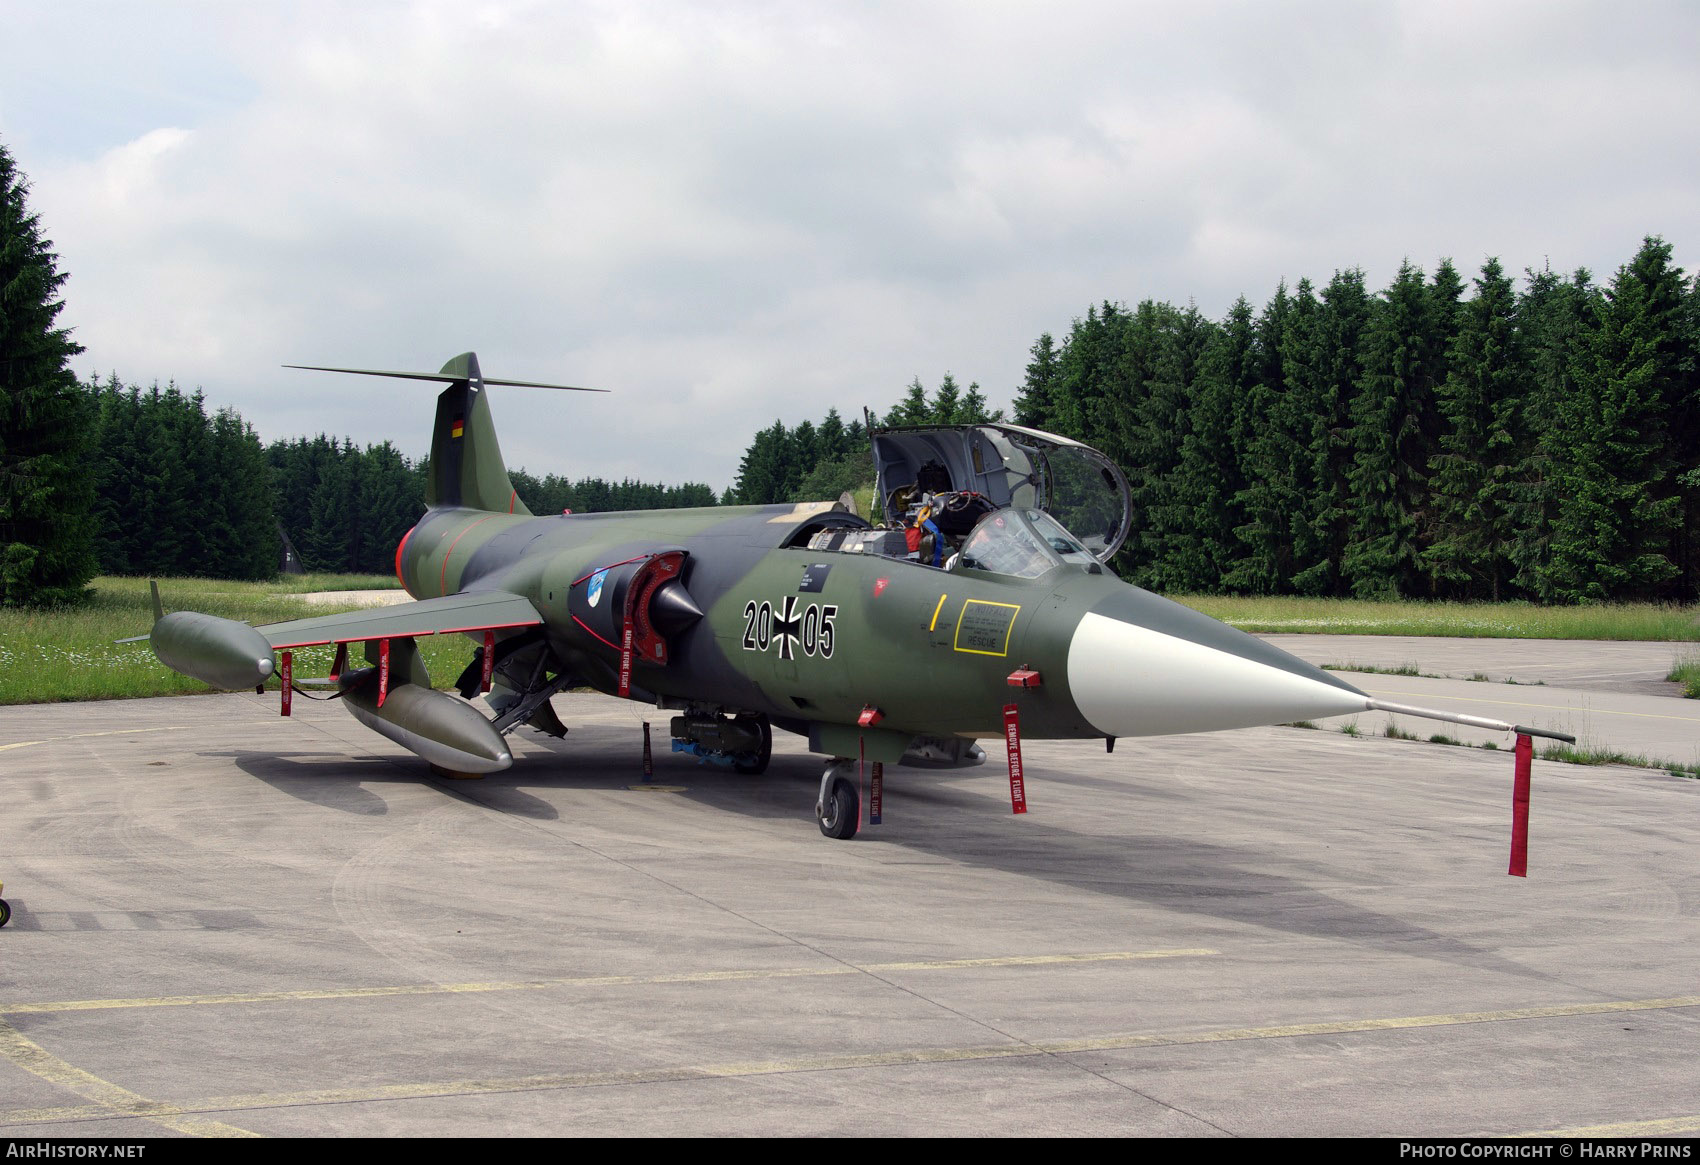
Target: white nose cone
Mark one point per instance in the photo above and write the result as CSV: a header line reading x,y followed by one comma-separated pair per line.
x,y
1129,680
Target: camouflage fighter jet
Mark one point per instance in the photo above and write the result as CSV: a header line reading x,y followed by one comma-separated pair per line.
x,y
981,587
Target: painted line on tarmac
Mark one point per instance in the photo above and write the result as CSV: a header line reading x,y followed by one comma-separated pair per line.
x,y
81,735
1670,1126
591,981
1407,692
112,1100
908,1057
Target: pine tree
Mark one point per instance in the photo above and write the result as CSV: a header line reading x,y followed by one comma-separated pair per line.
x,y
762,472
1302,417
46,419
1555,319
913,409
1446,317
1331,361
394,503
294,467
325,546
1275,456
1169,343
1116,374
1210,478
593,496
1033,404
1686,440
1473,481
170,468
802,454
116,478
177,492
946,401
243,538
1619,507
832,440
540,496
691,495
973,411
1091,369
1395,431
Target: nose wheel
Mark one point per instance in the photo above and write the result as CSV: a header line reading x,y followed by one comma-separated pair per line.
x,y
839,807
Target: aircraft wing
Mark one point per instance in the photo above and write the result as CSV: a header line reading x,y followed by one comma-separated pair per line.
x,y
480,611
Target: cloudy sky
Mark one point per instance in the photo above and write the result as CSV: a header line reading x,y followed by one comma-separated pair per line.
x,y
735,212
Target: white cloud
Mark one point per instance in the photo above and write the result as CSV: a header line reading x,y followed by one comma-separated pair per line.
x,y
738,211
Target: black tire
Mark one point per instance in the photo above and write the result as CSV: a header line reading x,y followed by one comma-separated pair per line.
x,y
842,812
758,762
5,912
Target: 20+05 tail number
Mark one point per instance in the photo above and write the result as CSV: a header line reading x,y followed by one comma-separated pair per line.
x,y
790,627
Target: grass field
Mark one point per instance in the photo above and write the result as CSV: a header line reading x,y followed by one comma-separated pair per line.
x,y
47,656
302,584
1637,621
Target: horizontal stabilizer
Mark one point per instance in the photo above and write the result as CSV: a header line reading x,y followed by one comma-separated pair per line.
x,y
442,377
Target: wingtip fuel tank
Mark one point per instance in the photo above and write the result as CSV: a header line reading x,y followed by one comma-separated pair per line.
x,y
220,652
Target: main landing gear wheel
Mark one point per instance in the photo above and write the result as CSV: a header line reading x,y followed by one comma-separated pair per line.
x,y
840,809
756,762
5,912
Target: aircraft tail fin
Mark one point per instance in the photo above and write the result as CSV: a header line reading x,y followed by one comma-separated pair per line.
x,y
466,460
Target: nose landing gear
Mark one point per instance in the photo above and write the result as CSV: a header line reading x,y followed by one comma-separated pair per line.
x,y
839,807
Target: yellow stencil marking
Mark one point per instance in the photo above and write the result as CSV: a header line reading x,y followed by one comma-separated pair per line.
x,y
933,626
1008,628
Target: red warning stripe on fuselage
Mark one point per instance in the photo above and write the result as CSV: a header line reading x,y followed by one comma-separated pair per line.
x,y
443,576
399,547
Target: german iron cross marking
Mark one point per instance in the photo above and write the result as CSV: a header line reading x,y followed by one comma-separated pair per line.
x,y
788,629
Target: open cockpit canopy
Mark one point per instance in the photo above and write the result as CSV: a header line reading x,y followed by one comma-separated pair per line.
x,y
969,471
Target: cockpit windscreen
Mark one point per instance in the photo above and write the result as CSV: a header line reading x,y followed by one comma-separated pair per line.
x,y
1024,543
